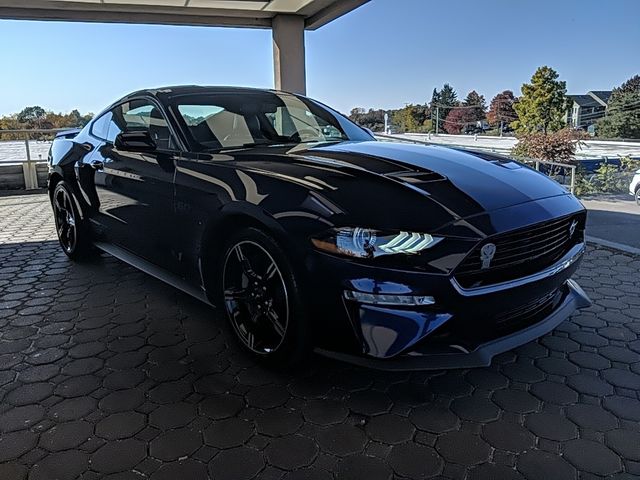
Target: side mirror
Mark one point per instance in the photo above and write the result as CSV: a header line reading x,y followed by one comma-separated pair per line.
x,y
369,131
135,141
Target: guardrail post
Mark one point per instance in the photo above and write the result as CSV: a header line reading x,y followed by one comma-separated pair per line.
x,y
29,169
573,179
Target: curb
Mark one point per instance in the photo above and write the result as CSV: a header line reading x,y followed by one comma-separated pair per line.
x,y
615,245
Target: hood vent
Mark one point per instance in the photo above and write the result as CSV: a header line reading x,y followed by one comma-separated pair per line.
x,y
417,177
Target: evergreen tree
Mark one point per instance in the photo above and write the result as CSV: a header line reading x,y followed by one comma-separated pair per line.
x,y
630,86
442,102
542,106
622,119
477,104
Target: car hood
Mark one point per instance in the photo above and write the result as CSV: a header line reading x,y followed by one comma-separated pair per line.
x,y
399,186
472,181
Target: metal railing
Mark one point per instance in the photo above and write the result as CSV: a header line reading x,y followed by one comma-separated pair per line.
x,y
555,169
30,174
29,164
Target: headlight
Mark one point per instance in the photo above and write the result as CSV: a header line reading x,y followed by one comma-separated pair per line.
x,y
367,243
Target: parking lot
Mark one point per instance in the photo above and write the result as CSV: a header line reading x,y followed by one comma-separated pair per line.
x,y
107,373
614,218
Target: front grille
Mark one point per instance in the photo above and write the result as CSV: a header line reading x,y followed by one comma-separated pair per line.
x,y
521,252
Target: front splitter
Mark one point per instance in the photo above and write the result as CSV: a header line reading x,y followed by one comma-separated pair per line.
x,y
480,357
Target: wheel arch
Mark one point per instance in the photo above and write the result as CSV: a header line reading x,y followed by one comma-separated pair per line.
x,y
217,231
54,179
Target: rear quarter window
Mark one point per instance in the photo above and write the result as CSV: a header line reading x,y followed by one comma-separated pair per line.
x,y
100,127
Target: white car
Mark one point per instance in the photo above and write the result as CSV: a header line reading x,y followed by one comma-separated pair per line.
x,y
634,187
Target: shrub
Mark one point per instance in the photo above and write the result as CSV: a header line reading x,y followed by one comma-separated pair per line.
x,y
557,146
607,178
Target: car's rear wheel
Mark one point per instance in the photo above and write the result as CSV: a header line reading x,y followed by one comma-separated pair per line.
x,y
72,232
262,300
638,197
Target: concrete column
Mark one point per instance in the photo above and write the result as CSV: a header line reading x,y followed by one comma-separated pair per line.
x,y
288,53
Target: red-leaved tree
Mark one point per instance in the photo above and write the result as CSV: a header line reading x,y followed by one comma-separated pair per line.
x,y
459,118
501,109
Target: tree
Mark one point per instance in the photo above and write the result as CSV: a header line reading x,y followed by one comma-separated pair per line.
x,y
476,104
630,86
38,118
543,103
372,119
32,116
622,118
501,109
411,118
458,119
443,100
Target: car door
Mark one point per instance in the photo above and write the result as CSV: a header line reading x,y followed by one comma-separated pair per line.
x,y
135,189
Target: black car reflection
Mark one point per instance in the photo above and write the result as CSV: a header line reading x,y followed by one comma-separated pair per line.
x,y
312,235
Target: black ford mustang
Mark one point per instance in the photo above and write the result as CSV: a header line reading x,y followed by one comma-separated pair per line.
x,y
311,234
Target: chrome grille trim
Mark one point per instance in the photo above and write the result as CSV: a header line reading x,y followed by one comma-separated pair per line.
x,y
565,262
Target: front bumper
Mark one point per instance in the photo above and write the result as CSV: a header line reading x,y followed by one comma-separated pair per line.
x,y
423,359
466,327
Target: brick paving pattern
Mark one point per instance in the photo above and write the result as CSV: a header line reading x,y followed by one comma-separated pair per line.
x,y
108,373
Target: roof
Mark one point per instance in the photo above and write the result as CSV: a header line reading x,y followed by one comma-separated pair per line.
x,y
178,90
584,100
593,98
167,93
601,95
230,13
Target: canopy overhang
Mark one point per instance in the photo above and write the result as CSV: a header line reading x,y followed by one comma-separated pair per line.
x,y
218,13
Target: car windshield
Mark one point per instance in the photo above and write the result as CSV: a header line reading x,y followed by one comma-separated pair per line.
x,y
237,120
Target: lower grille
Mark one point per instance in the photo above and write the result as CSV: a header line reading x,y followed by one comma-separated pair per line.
x,y
470,331
526,315
521,252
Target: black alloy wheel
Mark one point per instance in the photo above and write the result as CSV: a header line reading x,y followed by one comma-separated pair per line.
x,y
65,220
260,296
69,225
255,297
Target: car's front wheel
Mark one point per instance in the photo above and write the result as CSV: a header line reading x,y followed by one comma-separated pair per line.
x,y
72,232
262,299
638,197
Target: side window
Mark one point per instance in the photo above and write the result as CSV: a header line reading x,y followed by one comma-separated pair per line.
x,y
100,127
214,126
140,115
295,118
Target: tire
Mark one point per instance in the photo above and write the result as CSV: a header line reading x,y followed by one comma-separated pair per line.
x,y
638,197
261,297
71,229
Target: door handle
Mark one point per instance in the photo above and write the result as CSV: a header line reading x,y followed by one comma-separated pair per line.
x,y
97,165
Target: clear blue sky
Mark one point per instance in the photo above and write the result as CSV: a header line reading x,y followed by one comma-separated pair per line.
x,y
383,55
